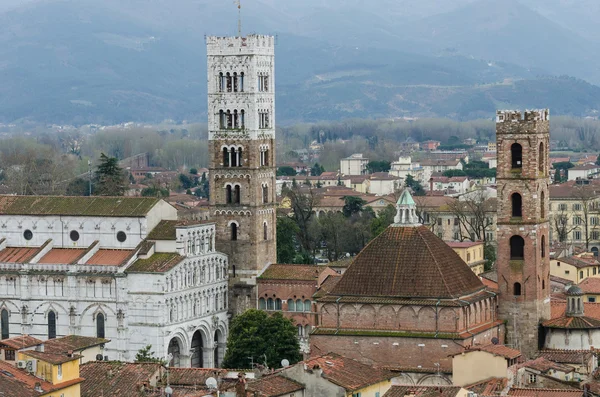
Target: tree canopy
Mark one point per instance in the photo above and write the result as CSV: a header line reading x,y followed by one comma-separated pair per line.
x,y
110,179
415,185
256,336
286,170
378,166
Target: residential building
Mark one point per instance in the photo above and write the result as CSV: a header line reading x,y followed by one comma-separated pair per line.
x,y
289,289
591,289
275,385
575,268
10,347
482,362
453,185
113,268
492,147
543,373
584,171
429,145
523,260
334,375
44,375
472,252
241,137
404,167
431,166
354,165
406,293
113,378
87,348
382,183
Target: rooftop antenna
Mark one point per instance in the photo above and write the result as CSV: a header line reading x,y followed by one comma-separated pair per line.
x,y
238,3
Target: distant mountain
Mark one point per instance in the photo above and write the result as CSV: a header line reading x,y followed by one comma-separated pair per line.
x,y
84,61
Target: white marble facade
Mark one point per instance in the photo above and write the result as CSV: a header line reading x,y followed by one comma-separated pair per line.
x,y
170,292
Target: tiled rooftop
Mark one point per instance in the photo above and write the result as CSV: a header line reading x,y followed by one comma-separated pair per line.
x,y
579,262
194,376
566,356
590,285
463,244
327,285
17,254
501,350
409,262
166,229
348,373
544,365
582,322
292,272
71,343
20,342
558,308
537,392
77,206
109,257
422,391
116,379
273,386
17,383
52,358
157,263
62,255
488,387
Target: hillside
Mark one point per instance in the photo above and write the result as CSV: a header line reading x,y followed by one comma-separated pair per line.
x,y
77,62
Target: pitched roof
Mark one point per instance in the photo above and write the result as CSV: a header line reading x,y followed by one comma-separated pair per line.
x,y
194,376
565,322
501,350
346,372
559,307
544,365
565,356
18,254
166,229
408,262
52,358
77,206
327,285
488,387
590,285
292,272
538,392
157,263
273,386
71,343
463,244
62,255
579,262
18,383
423,391
20,342
114,378
109,257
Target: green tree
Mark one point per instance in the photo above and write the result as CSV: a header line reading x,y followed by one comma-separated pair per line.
x,y
186,181
146,355
194,171
489,254
451,173
415,185
262,338
78,187
352,205
286,171
154,191
317,170
378,166
383,220
286,243
110,179
598,160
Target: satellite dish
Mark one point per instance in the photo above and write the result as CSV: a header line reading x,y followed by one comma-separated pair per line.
x,y
285,363
168,391
211,383
495,341
98,357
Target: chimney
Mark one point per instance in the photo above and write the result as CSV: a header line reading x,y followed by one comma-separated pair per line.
x,y
70,353
431,186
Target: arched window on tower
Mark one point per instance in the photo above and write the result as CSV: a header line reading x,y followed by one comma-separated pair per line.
x,y
229,119
100,325
234,232
220,82
265,231
239,157
229,83
236,119
543,205
51,325
266,157
237,194
265,194
517,248
242,119
541,158
228,195
234,159
543,246
222,121
4,324
235,82
517,289
242,82
225,157
516,152
517,205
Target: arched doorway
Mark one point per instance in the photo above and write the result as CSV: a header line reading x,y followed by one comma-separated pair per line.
x,y
218,353
197,350
175,350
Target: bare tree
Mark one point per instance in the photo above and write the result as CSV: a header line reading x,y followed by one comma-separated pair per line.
x,y
586,197
303,201
560,220
474,213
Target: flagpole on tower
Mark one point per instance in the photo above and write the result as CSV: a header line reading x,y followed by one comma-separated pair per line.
x,y
239,6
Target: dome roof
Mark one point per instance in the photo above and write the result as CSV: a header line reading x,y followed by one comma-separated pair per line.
x,y
574,290
408,262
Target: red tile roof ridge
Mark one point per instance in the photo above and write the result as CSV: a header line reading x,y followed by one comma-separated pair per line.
x,y
21,342
52,358
85,252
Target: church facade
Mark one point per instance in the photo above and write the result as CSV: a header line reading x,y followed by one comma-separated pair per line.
x,y
241,124
124,269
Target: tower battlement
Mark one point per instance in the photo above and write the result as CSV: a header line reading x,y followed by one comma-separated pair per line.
x,y
528,122
252,44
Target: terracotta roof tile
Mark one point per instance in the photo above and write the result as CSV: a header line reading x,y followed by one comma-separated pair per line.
x,y
292,272
544,365
463,244
194,376
579,262
61,255
20,342
327,285
17,383
565,322
77,206
51,358
488,387
17,254
273,386
538,392
348,373
71,343
408,262
423,391
157,263
109,257
566,356
116,379
559,307
590,285
501,350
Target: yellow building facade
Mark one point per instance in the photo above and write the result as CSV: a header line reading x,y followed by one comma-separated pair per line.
x,y
61,371
471,253
575,268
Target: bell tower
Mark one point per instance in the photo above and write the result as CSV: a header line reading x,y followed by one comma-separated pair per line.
x,y
523,204
241,134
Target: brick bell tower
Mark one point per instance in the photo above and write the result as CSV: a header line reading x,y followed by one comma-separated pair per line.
x,y
241,128
523,208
